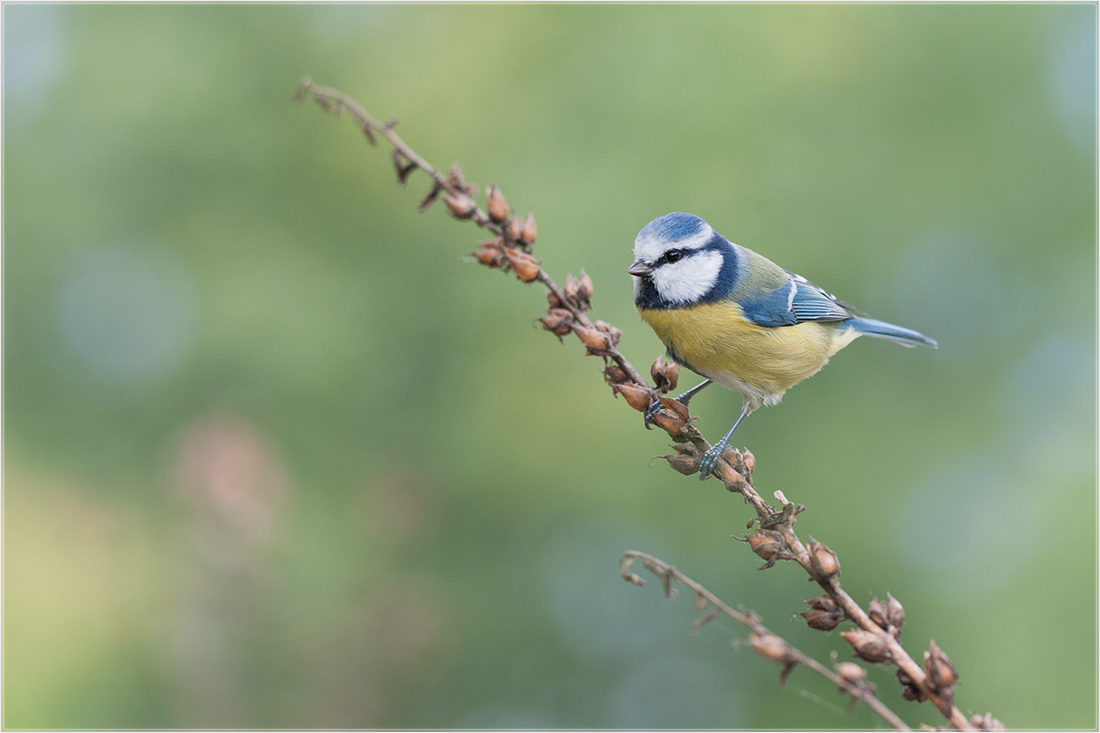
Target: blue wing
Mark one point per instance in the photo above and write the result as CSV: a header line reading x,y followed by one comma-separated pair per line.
x,y
795,301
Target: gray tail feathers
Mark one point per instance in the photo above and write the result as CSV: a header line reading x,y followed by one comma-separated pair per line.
x,y
888,331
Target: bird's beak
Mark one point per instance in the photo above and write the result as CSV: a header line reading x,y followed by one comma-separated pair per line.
x,y
640,269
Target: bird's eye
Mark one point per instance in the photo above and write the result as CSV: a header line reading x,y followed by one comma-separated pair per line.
x,y
673,255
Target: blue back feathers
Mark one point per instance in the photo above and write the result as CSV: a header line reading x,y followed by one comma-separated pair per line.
x,y
795,301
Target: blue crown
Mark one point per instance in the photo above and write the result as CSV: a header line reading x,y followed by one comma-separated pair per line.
x,y
673,227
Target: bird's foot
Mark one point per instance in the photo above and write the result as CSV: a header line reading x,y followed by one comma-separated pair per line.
x,y
658,402
651,412
710,459
676,406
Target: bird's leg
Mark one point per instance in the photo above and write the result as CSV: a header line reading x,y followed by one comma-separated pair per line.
x,y
686,396
710,459
683,399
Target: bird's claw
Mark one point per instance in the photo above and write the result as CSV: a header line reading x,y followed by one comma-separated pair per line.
x,y
710,459
651,412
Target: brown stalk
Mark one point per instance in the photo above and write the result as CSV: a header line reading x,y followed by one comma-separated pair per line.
x,y
775,538
764,641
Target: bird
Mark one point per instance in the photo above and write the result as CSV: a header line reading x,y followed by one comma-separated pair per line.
x,y
736,318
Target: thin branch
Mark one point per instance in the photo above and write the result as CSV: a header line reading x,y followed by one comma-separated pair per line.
x,y
765,642
876,639
514,235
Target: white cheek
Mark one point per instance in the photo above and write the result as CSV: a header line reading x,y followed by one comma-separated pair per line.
x,y
688,280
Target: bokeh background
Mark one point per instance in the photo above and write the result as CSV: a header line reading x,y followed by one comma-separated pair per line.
x,y
274,456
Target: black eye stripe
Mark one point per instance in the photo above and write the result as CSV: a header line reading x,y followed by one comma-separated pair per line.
x,y
673,255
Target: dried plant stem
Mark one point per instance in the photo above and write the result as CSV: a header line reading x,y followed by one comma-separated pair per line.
x,y
783,522
876,637
763,640
333,100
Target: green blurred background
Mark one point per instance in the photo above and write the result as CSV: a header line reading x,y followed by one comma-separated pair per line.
x,y
275,457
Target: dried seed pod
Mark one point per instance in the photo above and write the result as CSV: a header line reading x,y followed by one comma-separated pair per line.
x,y
665,374
822,603
823,560
559,321
490,253
763,544
559,331
615,374
671,424
821,620
461,205
851,672
676,407
877,611
571,285
489,257
554,300
941,673
684,464
584,289
749,459
825,614
895,614
593,338
635,396
909,688
733,480
913,694
515,228
613,333
770,647
579,290
525,265
456,178
563,315
868,647
529,231
496,205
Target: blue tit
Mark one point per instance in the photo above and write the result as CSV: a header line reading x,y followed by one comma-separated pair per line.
x,y
738,319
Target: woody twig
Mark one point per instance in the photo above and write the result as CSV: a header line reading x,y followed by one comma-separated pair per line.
x,y
850,678
875,638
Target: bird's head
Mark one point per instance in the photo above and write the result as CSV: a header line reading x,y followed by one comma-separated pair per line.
x,y
679,260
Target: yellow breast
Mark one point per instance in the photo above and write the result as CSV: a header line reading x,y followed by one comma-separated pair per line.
x,y
717,341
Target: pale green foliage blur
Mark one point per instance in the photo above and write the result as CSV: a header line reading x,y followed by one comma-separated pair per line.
x,y
275,456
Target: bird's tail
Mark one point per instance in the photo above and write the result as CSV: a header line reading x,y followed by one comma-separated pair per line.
x,y
890,332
